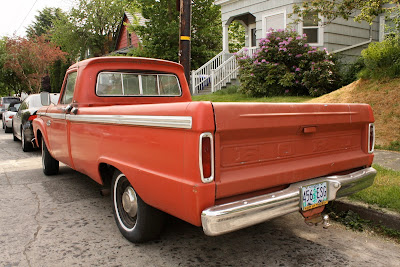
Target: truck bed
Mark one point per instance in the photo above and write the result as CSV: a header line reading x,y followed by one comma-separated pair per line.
x,y
266,146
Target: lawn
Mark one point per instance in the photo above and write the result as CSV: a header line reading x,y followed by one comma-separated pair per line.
x,y
230,95
385,192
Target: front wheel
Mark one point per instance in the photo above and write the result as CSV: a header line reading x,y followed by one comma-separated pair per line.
x,y
49,164
137,221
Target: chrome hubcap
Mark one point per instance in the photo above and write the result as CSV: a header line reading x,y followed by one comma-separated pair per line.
x,y
129,201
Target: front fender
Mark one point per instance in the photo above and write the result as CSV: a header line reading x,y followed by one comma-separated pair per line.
x,y
40,126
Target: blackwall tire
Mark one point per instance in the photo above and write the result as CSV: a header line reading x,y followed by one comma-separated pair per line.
x,y
137,221
14,137
50,165
7,129
26,146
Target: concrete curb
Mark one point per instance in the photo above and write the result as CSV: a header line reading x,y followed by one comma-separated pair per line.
x,y
379,216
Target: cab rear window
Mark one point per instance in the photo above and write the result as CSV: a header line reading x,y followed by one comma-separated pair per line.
x,y
137,84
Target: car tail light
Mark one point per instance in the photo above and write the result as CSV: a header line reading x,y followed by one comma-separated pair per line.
x,y
11,116
32,117
371,138
206,157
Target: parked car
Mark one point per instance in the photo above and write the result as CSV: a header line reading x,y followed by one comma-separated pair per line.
x,y
22,120
5,102
9,114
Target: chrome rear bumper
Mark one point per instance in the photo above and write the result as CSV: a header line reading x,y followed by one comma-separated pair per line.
x,y
225,218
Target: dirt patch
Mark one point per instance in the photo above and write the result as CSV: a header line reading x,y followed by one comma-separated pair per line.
x,y
384,98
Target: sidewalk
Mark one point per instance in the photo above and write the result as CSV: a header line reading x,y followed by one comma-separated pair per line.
x,y
386,159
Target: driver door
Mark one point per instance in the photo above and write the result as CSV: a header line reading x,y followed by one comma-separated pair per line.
x,y
57,126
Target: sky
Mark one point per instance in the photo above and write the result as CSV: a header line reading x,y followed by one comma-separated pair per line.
x,y
17,15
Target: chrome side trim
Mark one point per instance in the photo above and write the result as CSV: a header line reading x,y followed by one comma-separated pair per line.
x,y
183,122
211,178
60,116
225,218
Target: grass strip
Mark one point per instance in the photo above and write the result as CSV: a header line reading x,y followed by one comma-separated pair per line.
x,y
385,192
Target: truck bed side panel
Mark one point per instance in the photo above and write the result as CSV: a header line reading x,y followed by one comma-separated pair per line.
x,y
160,162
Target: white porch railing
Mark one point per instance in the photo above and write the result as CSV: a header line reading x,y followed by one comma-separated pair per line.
x,y
202,76
228,70
217,72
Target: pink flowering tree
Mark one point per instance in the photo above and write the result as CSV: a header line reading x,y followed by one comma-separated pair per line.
x,y
285,64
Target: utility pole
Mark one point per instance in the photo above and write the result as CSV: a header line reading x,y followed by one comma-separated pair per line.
x,y
185,9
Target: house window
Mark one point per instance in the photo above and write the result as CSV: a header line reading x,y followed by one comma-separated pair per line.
x,y
253,37
312,28
388,27
274,21
129,38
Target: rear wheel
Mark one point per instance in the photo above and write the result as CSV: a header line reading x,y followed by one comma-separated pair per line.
x,y
26,146
14,137
7,129
137,221
50,165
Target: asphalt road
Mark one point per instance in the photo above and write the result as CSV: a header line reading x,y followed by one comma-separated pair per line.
x,y
63,221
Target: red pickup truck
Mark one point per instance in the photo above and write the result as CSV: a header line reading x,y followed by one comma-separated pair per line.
x,y
129,123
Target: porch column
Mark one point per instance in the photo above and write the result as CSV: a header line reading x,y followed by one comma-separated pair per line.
x,y
225,37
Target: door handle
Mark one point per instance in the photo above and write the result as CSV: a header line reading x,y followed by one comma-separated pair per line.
x,y
74,110
48,123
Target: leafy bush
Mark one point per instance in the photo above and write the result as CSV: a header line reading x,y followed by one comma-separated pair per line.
x,y
350,72
286,65
382,59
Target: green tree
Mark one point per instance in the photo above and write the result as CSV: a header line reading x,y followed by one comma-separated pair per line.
x,y
237,36
332,9
88,29
44,22
160,34
30,59
9,81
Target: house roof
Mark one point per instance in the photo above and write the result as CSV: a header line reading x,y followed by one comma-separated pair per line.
x,y
135,18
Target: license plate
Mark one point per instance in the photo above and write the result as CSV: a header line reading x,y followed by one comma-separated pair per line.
x,y
313,196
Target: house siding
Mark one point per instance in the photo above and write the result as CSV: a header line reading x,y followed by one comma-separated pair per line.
x,y
122,41
339,34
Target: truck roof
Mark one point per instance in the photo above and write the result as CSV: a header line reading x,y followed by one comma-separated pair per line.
x,y
133,60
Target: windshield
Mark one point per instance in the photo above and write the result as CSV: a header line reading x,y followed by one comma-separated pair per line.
x,y
8,100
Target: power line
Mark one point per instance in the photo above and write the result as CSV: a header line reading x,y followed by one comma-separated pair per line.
x,y
26,16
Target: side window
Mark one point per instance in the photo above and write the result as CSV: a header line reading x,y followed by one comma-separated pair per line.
x,y
68,93
23,106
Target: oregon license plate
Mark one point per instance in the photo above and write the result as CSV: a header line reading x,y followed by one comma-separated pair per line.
x,y
313,196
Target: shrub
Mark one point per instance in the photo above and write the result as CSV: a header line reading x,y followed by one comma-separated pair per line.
x,y
285,64
382,59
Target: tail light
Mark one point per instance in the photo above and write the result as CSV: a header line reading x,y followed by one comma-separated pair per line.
x,y
371,138
206,157
32,117
11,116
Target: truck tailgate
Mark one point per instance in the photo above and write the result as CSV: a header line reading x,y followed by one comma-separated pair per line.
x,y
260,146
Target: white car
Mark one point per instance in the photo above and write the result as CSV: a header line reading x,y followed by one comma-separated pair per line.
x,y
8,115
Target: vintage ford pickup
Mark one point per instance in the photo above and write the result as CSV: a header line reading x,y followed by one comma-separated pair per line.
x,y
129,123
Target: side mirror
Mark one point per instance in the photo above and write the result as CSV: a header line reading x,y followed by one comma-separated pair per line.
x,y
45,98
